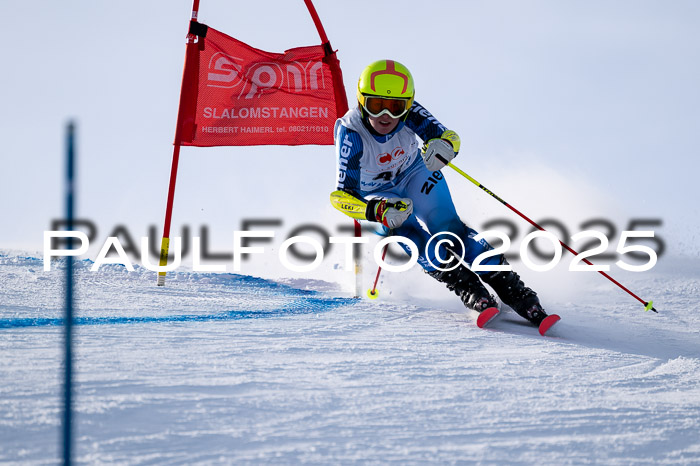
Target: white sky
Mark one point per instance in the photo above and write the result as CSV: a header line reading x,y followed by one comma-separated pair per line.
x,y
570,110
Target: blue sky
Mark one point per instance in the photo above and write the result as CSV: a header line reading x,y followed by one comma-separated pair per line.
x,y
572,110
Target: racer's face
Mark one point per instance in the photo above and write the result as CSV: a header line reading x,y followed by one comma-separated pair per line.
x,y
383,124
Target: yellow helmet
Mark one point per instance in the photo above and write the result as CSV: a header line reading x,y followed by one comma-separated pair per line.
x,y
386,86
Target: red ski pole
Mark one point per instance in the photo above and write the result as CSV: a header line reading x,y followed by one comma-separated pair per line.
x,y
647,305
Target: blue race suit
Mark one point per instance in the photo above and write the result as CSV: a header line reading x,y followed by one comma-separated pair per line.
x,y
372,165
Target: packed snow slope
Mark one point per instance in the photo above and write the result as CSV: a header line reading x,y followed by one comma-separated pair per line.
x,y
224,368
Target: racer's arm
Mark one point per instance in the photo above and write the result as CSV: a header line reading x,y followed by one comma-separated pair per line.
x,y
390,212
439,142
348,151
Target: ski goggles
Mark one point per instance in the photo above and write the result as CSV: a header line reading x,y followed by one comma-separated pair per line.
x,y
377,106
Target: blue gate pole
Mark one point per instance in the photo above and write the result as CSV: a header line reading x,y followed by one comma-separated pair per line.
x,y
68,320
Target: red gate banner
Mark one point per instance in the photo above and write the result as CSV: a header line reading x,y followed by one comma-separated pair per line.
x,y
236,95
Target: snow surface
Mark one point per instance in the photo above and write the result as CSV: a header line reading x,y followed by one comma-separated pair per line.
x,y
223,368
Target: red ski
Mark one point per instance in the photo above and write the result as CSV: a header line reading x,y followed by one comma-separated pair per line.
x,y
548,323
486,316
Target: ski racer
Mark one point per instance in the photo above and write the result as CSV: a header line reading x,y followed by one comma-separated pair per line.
x,y
385,175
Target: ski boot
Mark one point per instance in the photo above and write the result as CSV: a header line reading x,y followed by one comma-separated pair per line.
x,y
467,285
514,293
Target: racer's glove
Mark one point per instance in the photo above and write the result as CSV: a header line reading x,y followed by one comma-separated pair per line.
x,y
445,147
390,212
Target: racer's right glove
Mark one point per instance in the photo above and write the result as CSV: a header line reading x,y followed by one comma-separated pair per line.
x,y
391,212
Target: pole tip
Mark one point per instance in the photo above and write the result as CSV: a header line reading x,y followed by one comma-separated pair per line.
x,y
650,307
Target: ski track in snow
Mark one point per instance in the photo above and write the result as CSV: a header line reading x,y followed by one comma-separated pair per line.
x,y
221,368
